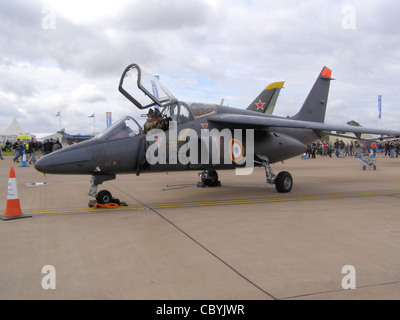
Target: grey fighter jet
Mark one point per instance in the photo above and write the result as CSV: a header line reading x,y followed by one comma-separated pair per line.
x,y
196,136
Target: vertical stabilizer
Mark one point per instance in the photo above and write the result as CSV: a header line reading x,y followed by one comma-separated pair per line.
x,y
266,100
314,106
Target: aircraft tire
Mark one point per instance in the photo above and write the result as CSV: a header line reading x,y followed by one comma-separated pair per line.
x,y
284,182
104,196
213,175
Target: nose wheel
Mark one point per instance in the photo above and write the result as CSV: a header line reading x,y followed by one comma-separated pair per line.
x,y
104,196
104,199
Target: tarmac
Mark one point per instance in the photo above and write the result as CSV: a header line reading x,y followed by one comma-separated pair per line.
x,y
175,241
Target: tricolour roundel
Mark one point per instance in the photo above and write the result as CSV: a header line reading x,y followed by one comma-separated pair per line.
x,y
236,150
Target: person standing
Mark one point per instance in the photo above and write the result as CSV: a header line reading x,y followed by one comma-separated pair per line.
x,y
392,149
17,148
336,147
387,148
373,149
57,145
341,149
32,150
324,148
47,146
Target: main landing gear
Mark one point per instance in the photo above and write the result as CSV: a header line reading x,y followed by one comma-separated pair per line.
x,y
283,181
209,178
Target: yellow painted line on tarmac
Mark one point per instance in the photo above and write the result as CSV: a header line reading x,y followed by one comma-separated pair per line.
x,y
214,202
266,200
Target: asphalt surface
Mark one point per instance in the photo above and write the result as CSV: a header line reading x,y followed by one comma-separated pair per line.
x,y
242,240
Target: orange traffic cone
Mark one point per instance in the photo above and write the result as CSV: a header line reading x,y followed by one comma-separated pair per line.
x,y
13,207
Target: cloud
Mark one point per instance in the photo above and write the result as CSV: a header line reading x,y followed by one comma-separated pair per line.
x,y
88,93
203,50
160,16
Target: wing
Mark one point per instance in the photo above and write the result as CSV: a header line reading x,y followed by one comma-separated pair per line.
x,y
241,121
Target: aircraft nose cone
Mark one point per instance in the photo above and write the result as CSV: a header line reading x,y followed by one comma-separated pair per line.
x,y
41,164
64,161
52,163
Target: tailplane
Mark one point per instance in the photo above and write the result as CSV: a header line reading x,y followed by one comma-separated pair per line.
x,y
314,107
266,100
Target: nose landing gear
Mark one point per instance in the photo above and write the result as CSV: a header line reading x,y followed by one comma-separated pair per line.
x,y
103,197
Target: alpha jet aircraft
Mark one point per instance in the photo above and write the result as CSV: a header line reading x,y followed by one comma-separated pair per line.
x,y
196,136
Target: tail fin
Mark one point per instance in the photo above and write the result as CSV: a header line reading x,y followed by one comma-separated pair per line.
x,y
314,106
265,101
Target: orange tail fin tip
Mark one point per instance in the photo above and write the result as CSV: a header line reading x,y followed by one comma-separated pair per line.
x,y
326,72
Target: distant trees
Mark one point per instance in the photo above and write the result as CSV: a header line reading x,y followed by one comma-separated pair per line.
x,y
354,123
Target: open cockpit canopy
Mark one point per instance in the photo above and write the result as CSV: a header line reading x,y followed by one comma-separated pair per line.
x,y
143,89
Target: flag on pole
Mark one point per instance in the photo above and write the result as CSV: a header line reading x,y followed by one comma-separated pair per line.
x,y
380,106
108,119
155,89
58,114
94,123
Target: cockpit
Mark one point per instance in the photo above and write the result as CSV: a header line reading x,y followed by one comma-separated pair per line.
x,y
156,119
146,92
124,128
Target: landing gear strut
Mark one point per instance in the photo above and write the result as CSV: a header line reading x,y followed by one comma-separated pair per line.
x,y
209,178
283,181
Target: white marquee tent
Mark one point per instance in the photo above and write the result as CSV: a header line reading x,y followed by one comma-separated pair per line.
x,y
12,131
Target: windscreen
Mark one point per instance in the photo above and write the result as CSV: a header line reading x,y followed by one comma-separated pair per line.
x,y
124,128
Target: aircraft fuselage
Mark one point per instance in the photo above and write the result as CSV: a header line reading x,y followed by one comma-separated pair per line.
x,y
102,155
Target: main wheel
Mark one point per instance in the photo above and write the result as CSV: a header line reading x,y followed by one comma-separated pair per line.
x,y
104,197
209,178
213,175
284,182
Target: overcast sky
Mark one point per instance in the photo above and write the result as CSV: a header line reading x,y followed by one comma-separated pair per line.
x,y
68,55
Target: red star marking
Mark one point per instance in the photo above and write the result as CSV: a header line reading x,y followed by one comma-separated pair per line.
x,y
260,104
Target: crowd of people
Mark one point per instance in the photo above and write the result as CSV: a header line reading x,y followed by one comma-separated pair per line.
x,y
339,149
32,148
